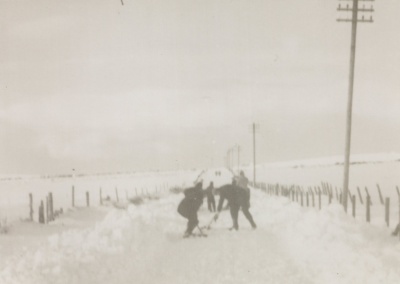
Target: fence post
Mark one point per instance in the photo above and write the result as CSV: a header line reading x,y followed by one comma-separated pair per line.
x,y
87,199
47,209
359,195
41,212
319,198
349,194
51,206
387,210
101,197
73,196
380,194
368,203
353,202
30,207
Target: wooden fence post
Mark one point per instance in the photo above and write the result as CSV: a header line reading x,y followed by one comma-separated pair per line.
x,y
350,195
387,210
51,207
368,203
319,198
73,196
359,195
353,202
87,199
47,209
41,212
380,194
30,207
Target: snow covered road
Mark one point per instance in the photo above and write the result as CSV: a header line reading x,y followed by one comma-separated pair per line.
x,y
143,244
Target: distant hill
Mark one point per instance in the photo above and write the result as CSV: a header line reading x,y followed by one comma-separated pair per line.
x,y
373,158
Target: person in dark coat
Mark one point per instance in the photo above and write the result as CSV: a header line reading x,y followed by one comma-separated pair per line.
x,y
189,206
243,182
237,198
210,197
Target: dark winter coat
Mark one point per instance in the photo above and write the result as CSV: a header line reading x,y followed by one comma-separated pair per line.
x,y
209,192
192,202
235,195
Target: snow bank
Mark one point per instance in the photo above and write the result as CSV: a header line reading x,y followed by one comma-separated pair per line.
x,y
332,247
143,245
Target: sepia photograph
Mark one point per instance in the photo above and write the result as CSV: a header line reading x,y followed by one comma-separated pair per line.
x,y
199,141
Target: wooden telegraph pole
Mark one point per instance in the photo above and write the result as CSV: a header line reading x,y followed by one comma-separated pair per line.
x,y
254,128
238,152
354,9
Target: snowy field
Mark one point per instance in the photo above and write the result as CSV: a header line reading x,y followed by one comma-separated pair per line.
x,y
367,171
14,193
143,244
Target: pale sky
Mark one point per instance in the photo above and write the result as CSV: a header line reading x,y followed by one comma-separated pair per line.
x,y
166,84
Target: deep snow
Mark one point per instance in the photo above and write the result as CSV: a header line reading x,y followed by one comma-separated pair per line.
x,y
143,244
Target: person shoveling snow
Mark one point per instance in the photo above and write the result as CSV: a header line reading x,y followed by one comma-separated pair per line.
x,y
237,197
189,206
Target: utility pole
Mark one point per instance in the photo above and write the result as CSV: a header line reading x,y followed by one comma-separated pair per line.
x,y
255,127
232,158
228,162
238,149
354,9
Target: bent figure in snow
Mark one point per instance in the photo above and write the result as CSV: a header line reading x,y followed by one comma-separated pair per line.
x,y
237,198
190,205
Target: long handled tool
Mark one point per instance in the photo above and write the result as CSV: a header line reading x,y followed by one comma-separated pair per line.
x,y
202,234
213,219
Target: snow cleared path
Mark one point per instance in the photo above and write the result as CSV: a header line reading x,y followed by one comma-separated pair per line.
x,y
121,250
143,244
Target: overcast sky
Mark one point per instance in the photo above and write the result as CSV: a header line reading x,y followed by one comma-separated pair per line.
x,y
165,84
